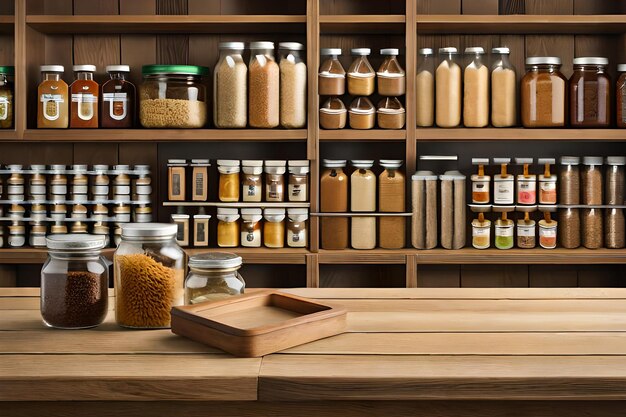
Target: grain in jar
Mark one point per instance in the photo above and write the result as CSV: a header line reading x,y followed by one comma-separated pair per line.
x,y
252,181
227,227
476,89
85,93
620,95
504,230
177,179
504,183
331,76
53,99
361,75
275,181
448,92
590,93
615,235
526,183
569,227
15,183
118,99
229,180
391,199
200,179
481,231
6,97
569,180
547,182
480,182
391,113
526,232
544,93
390,76
453,218
251,227
362,114
297,234
264,86
334,199
503,89
298,184
615,180
293,85
274,228
230,87
592,181
425,88
424,204
333,114
363,199
592,228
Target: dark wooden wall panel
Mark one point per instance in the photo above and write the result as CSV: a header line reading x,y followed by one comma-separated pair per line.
x,y
438,276
362,276
361,7
438,7
549,6
553,275
553,45
485,276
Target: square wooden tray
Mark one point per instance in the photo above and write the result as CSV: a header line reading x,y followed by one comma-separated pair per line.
x,y
259,323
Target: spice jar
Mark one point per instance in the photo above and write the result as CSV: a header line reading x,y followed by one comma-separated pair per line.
x,y
53,104
526,183
480,182
592,228
200,179
58,212
274,228
569,180
80,182
58,229
391,114
293,85
37,235
100,213
547,232
79,227
448,89
298,188
251,181
181,221
251,227
591,178
227,227
118,99
143,214
453,220
275,181
230,87
476,89
74,282
424,204
173,96
334,231
100,184
526,231
331,76
264,74
425,86
201,228
16,212
615,235
503,183
362,113
177,181
101,229
544,93
121,182
391,77
149,275
590,93
58,183
504,228
363,200
481,227
297,236
569,227
38,213
85,96
503,89
17,235
620,95
391,199
6,97
37,183
361,74
333,114
213,276
615,180
15,183
547,182
229,180
79,212
143,183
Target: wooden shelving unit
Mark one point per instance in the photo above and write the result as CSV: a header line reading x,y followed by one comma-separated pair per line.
x,y
363,135
495,134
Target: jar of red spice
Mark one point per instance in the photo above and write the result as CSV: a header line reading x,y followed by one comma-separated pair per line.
x,y
547,182
526,183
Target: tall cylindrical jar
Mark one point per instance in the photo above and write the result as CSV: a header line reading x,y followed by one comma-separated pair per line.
x,y
149,275
620,96
592,228
448,89
453,217
476,89
591,179
425,88
363,200
391,199
264,88
544,93
424,203
614,180
590,93
503,89
614,233
6,97
569,180
334,199
293,85
230,87
569,227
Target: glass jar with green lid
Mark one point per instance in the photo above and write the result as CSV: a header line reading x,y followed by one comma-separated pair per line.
x,y
213,276
173,96
6,97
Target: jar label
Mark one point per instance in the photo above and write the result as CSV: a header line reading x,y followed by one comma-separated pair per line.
x,y
4,108
548,233
547,186
297,192
526,231
118,105
200,233
51,108
503,193
251,190
481,231
504,231
86,105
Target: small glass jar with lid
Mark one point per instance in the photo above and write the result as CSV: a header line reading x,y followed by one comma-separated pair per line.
x,y
503,89
392,199
569,227
15,183
476,89
6,97
213,276
74,282
361,75
58,212
227,227
58,182
149,275
37,235
331,76
100,184
142,184
334,231
121,181
391,113
274,228
547,182
615,180
547,233
53,104
263,88
333,114
620,95
448,93
251,227
480,182
391,77
173,96
425,88
544,93
78,227
297,236
298,184
252,181
143,214
362,114
38,213
79,180
85,93
590,93
118,99
275,181
504,228
481,228
526,183
592,181
526,229
615,234
200,179
17,235
229,180
504,183
293,85
230,87
363,200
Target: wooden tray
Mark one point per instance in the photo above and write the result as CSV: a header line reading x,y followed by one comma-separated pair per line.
x,y
258,324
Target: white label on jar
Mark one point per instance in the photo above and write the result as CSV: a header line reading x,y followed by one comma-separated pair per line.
x,y
86,104
527,185
503,193
480,186
51,108
251,192
526,231
79,189
58,189
16,241
251,239
118,105
4,108
504,231
37,189
297,192
548,185
121,189
143,189
296,240
550,233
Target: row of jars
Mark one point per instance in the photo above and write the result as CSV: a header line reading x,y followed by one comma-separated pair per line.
x,y
7,91
362,192
390,114
598,181
592,228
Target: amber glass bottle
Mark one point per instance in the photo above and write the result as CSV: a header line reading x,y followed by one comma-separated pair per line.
x,y
85,93
118,99
52,108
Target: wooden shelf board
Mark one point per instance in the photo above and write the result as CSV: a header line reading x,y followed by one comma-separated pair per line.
x,y
492,256
241,204
353,256
518,133
7,134
69,24
521,24
7,23
363,135
390,23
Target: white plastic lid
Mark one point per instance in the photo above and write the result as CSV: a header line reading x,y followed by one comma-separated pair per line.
x,y
250,211
84,68
448,50
172,162
591,60
293,46
452,176
274,215
569,160
543,60
228,162
391,163
251,163
174,216
360,51
51,68
592,160
475,50
215,260
616,160
424,176
227,211
117,68
262,45
501,50
362,163
148,229
121,167
480,161
275,163
37,167
501,161
298,163
334,163
621,67
426,51
390,51
330,51
297,211
543,161
240,46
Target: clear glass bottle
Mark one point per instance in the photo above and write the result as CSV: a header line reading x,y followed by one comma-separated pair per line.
x,y
614,233
230,87
363,200
74,282
331,76
227,227
569,180
118,99
361,75
53,104
6,97
476,89
481,232
264,86
85,97
425,88
293,85
392,199
229,180
391,77
544,93
213,276
391,113
149,275
252,181
590,93
274,228
362,114
569,227
334,231
592,180
333,114
251,227
503,89
275,181
448,93
615,180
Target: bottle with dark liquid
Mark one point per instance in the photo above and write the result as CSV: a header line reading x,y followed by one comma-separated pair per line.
x,y
84,93
118,99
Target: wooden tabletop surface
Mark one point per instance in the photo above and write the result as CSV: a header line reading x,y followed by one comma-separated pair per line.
x,y
401,344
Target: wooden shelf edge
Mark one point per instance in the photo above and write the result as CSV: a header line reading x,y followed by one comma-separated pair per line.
x,y
374,135
537,256
362,18
353,256
518,133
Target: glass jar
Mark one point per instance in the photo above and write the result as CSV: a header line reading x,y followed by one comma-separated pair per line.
x,y
74,282
100,212
79,212
58,212
100,184
333,114
504,183
274,228
173,96
526,234
620,94
425,88
547,233
181,221
361,75
334,199
424,205
569,227
230,87
15,183
80,181
149,275
592,182
297,236
118,99
391,114
590,93
452,210
58,182
143,183
362,113
53,104
251,181
391,199
448,94
504,233
17,235
275,181
503,89
298,188
143,214
331,76
476,89
592,228
16,212
363,200
264,82
293,85
391,77
569,180
85,96
176,179
227,227
251,227
200,179
6,97
229,180
615,180
37,182
37,235
527,189
481,233
615,235
480,182
213,276
121,182
544,93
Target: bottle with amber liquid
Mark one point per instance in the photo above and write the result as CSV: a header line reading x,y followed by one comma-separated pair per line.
x,y
118,99
85,93
52,107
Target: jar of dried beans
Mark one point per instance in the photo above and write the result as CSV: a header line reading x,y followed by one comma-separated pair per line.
x,y
592,228
569,227
264,86
615,235
544,92
569,180
615,180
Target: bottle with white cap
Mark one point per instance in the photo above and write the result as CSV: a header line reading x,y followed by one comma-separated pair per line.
x,y
264,88
361,74
391,77
425,85
476,89
53,99
293,85
118,99
543,93
503,89
230,87
590,93
448,89
331,77
85,96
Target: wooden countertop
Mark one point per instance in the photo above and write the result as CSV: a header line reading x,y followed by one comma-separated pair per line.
x,y
402,345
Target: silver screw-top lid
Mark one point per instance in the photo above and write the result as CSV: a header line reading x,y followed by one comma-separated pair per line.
x,y
501,50
591,60
149,230
75,242
426,51
215,260
543,60
239,46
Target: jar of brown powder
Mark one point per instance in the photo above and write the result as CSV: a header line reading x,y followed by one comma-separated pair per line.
x,y
590,93
361,75
332,76
614,234
264,86
615,180
334,231
592,182
569,227
333,114
569,180
391,77
391,114
593,228
544,93
362,113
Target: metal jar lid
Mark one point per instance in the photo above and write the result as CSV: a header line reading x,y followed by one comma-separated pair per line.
x,y
117,68
235,46
334,163
475,50
501,50
448,50
215,260
543,60
390,51
75,242
591,60
262,45
84,68
149,230
360,51
426,52
292,46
